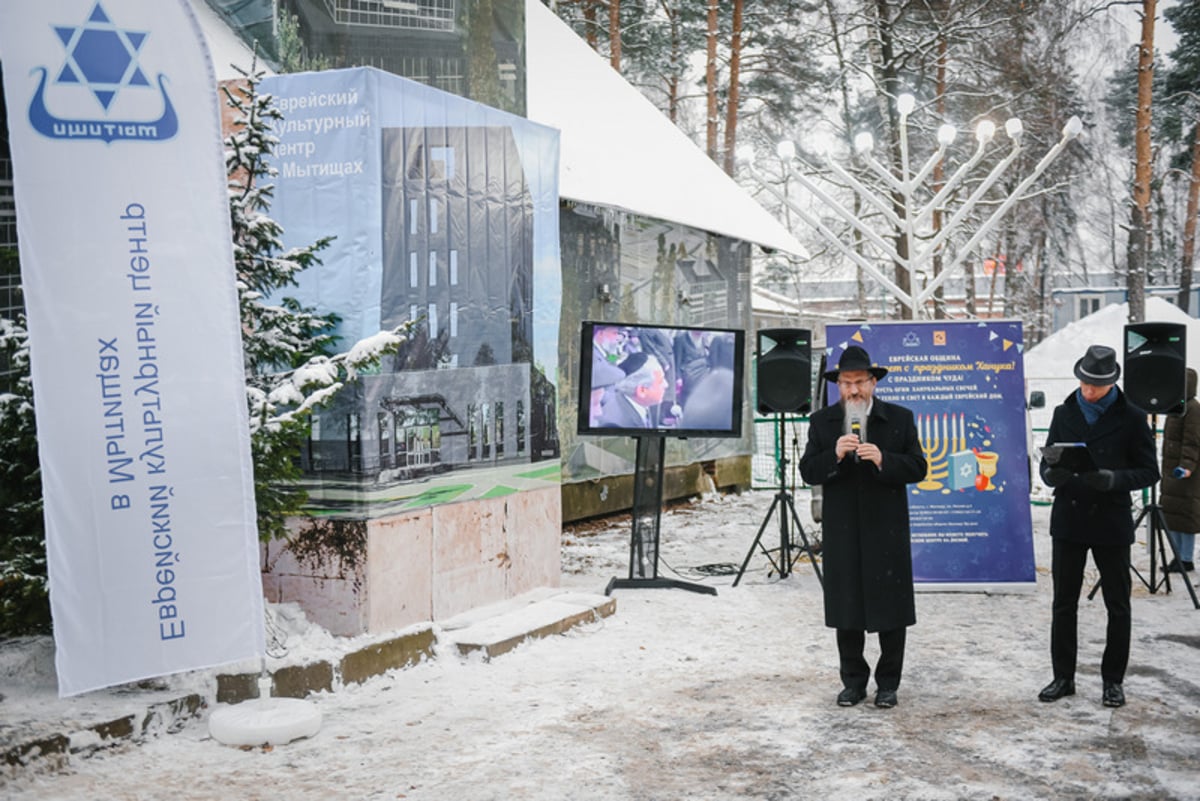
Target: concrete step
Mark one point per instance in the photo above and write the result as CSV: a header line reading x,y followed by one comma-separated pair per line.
x,y
499,628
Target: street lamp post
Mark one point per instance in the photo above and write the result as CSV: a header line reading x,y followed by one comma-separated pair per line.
x,y
913,215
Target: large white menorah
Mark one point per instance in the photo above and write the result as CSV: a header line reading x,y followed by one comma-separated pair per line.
x,y
938,443
875,222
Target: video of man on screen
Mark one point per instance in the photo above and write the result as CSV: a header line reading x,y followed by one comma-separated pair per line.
x,y
654,378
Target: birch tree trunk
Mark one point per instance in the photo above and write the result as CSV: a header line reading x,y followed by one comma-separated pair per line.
x,y
888,88
1138,256
1189,227
939,178
732,105
677,57
614,34
589,16
710,82
843,71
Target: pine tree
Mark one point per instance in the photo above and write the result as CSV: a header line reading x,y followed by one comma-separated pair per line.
x,y
24,604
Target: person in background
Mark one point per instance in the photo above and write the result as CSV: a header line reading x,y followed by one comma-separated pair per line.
x,y
862,452
1092,512
1180,483
657,343
691,361
604,375
608,343
709,403
633,396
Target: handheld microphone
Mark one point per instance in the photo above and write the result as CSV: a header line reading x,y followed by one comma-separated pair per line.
x,y
856,430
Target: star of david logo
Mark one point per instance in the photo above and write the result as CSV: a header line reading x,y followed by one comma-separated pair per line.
x,y
101,56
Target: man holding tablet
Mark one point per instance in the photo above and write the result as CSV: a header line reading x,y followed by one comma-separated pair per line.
x,y
1092,512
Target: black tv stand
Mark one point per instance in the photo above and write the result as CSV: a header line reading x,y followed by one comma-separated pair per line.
x,y
647,514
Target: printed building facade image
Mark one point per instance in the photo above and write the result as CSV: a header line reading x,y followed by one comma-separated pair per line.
x,y
457,257
444,460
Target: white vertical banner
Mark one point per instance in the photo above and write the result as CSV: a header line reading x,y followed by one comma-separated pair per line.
x,y
135,342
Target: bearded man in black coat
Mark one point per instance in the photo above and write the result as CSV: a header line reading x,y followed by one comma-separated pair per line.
x,y
1092,512
863,452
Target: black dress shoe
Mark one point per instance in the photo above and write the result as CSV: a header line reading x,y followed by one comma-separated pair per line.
x,y
851,696
1174,567
885,699
1113,694
1059,688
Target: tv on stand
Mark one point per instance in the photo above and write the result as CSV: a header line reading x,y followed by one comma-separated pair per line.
x,y
643,380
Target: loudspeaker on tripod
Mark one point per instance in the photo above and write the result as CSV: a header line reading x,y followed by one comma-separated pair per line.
x,y
784,369
1156,367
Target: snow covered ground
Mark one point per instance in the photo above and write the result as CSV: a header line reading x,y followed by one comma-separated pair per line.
x,y
688,696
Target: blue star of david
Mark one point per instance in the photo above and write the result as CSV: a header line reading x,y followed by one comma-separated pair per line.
x,y
101,56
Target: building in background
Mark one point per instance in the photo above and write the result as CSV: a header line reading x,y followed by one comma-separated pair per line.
x,y
469,48
1071,304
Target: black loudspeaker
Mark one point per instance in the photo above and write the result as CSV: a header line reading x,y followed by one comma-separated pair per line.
x,y
1156,367
784,370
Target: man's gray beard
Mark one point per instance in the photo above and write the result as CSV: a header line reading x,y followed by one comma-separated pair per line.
x,y
856,408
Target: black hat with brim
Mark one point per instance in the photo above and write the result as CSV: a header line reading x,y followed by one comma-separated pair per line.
x,y
1098,366
633,362
855,358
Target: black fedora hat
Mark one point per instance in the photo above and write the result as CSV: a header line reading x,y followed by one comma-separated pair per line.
x,y
1098,366
854,358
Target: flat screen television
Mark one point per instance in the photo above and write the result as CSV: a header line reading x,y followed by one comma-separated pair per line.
x,y
639,380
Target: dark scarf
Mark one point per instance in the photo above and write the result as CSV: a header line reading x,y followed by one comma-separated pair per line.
x,y
1092,411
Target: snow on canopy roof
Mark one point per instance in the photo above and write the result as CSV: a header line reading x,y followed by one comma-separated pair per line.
x,y
618,150
1049,365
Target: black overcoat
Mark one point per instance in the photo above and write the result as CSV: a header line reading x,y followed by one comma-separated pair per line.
x,y
1121,441
865,546
1181,448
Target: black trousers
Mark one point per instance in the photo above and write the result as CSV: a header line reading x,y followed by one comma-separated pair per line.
x,y
1066,567
854,668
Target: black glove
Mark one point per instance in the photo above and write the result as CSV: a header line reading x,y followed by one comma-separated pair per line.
x,y
1056,475
1051,457
1099,480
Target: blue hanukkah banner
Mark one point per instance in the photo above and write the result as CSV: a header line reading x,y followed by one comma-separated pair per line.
x,y
965,384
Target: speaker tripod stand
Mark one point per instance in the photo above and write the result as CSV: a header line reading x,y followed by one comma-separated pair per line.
x,y
1153,514
786,507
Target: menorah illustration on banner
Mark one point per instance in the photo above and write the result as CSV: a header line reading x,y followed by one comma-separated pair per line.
x,y
949,463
